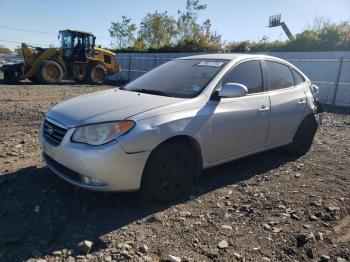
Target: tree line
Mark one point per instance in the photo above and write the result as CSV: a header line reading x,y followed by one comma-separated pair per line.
x,y
161,32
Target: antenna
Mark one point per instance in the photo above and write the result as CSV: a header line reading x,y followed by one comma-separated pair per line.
x,y
275,20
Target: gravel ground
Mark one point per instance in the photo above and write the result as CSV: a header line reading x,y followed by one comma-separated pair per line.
x,y
267,207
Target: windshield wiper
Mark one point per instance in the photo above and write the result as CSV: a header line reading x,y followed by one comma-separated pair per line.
x,y
150,91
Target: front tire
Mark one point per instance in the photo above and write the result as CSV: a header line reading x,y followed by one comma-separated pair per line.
x,y
50,72
96,74
169,172
304,136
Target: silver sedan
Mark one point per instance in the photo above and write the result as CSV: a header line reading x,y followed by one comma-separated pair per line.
x,y
158,132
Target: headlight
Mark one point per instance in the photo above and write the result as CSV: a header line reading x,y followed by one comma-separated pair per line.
x,y
99,134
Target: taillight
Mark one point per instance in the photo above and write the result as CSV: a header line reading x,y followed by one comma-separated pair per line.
x,y
315,90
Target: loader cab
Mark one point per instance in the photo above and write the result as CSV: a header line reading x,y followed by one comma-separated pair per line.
x,y
76,45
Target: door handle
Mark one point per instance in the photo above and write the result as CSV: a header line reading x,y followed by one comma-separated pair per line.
x,y
301,102
264,108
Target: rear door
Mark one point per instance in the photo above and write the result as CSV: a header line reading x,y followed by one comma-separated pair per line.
x,y
288,101
239,125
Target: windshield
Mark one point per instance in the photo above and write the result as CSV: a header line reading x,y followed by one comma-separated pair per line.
x,y
70,40
179,78
66,40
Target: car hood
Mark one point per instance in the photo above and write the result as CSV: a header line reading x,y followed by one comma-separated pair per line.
x,y
108,105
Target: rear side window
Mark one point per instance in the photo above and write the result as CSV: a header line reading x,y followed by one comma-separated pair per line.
x,y
248,74
298,78
278,76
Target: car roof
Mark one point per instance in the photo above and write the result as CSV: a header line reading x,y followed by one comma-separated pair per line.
x,y
228,56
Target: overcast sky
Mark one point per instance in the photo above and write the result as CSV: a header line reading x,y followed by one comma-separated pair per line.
x,y
234,19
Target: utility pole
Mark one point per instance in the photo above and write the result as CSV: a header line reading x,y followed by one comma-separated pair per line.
x,y
275,20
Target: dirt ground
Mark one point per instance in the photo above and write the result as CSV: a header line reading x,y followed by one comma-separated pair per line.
x,y
267,207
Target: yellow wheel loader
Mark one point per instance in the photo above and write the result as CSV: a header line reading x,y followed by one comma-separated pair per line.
x,y
76,58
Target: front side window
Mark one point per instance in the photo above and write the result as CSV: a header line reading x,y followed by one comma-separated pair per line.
x,y
179,78
248,74
278,76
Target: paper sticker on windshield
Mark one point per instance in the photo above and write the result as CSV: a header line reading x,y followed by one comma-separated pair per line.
x,y
210,63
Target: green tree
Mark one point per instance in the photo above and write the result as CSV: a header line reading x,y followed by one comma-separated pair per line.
x,y
187,26
123,32
157,30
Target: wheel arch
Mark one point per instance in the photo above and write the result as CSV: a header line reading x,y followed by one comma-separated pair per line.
x,y
189,140
309,115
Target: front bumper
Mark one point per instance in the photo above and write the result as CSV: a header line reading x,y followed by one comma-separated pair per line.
x,y
108,163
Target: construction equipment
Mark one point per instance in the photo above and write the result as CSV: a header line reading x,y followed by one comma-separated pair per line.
x,y
275,20
76,58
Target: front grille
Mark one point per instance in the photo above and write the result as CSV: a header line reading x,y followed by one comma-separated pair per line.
x,y
53,133
61,168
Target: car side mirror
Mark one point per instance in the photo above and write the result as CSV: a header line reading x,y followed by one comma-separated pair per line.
x,y
231,90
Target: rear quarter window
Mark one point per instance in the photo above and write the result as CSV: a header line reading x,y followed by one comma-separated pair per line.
x,y
298,78
279,76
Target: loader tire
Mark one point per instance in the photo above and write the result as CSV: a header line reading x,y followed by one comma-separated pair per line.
x,y
95,74
49,72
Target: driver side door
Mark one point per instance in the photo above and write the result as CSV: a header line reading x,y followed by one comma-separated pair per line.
x,y
239,125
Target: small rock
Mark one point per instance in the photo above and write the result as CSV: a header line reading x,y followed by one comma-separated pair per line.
x,y
267,226
277,229
90,257
319,214
297,175
327,218
311,236
313,218
124,246
311,253
325,258
238,256
319,236
223,244
147,259
12,153
213,253
333,208
301,240
57,253
273,223
108,258
227,215
226,227
340,259
171,258
143,249
185,214
306,226
85,246
285,215
295,216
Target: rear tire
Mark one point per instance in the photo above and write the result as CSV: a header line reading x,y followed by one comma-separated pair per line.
x,y
95,74
169,172
49,72
304,136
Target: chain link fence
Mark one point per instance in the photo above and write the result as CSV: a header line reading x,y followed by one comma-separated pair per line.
x,y
328,70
